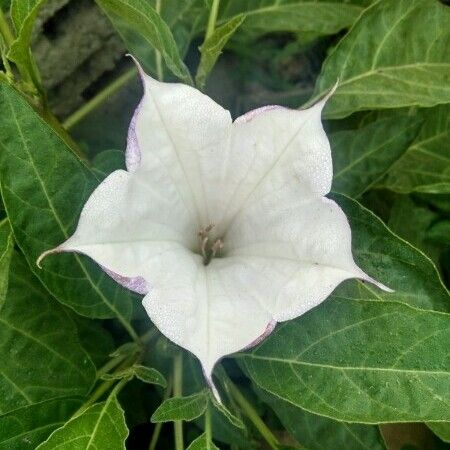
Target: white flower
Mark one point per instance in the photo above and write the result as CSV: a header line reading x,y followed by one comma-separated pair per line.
x,y
222,225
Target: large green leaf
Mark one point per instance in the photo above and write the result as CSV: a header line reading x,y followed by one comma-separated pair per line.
x,y
140,15
391,260
362,156
320,433
264,16
23,15
212,47
44,187
184,20
425,167
101,426
419,225
359,361
44,371
395,55
6,250
181,408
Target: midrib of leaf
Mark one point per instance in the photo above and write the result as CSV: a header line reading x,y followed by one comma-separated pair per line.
x,y
100,417
346,368
117,313
386,36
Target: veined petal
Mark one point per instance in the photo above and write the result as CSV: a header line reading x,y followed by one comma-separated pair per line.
x,y
219,165
184,131
303,246
209,310
131,225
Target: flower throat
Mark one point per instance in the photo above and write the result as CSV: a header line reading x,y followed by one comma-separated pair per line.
x,y
208,248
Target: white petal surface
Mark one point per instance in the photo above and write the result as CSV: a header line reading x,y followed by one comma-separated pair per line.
x,y
218,165
209,310
302,246
131,225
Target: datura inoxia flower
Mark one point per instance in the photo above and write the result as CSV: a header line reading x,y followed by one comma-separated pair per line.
x,y
221,224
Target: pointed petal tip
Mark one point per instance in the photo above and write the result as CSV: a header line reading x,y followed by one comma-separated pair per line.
x,y
376,283
45,254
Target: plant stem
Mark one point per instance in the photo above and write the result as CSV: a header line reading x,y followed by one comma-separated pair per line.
x,y
178,392
158,426
251,413
208,425
96,101
158,58
5,30
212,19
111,364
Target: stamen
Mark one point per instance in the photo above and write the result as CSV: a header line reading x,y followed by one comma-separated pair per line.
x,y
216,247
208,251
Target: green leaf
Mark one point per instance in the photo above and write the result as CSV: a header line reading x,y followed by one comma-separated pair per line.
x,y
23,15
227,414
44,187
421,229
101,426
202,443
95,339
44,371
212,48
145,374
361,157
181,408
380,64
391,260
425,167
184,20
320,433
267,16
6,251
149,375
108,161
359,361
441,429
140,15
27,426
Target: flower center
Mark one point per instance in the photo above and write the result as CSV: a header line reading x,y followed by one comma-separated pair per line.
x,y
209,248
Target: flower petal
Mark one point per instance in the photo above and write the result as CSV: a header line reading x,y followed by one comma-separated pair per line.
x,y
184,130
218,165
303,246
203,310
131,225
268,148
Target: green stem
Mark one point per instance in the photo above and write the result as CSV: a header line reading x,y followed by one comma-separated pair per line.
x,y
251,413
158,58
208,425
212,19
5,30
96,101
178,392
111,364
158,426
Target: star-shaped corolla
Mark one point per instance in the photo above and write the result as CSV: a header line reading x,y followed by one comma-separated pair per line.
x,y
222,224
